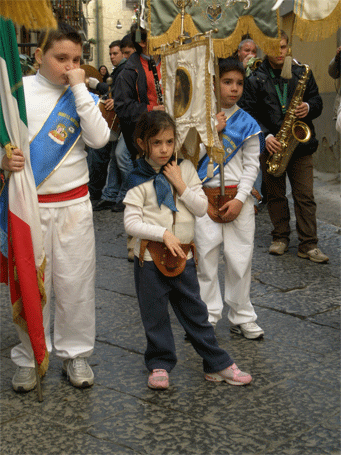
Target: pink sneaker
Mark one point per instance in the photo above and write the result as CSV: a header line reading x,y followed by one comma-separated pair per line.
x,y
231,375
158,379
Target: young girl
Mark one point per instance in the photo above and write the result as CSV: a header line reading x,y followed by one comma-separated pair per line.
x,y
161,204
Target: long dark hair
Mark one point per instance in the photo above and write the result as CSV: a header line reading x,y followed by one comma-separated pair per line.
x,y
105,77
150,124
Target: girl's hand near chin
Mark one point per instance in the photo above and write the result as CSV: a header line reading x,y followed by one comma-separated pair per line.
x,y
173,174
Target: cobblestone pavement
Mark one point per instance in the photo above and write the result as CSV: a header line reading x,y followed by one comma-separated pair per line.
x,y
292,406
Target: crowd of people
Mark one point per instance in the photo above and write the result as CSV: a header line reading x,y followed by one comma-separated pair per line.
x,y
173,213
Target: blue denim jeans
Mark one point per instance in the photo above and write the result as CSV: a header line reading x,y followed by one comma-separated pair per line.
x,y
120,166
98,160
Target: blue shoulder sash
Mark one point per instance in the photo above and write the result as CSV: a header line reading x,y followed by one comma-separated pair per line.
x,y
143,172
57,137
239,127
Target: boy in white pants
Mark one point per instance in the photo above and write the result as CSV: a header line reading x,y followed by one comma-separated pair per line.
x,y
230,223
62,116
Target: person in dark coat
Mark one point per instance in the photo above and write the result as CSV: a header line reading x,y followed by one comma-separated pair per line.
x,y
267,96
135,91
98,160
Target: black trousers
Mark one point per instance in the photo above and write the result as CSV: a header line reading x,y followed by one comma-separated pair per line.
x,y
154,290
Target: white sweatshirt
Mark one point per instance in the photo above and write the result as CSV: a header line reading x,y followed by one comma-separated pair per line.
x,y
41,97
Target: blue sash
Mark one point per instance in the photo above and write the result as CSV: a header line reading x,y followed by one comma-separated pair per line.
x,y
239,127
143,172
56,138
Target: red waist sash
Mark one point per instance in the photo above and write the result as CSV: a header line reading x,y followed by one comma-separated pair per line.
x,y
76,193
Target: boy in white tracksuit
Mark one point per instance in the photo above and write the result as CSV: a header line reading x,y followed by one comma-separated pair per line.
x,y
60,109
233,222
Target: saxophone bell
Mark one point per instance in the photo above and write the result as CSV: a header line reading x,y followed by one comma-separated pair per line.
x,y
301,131
254,63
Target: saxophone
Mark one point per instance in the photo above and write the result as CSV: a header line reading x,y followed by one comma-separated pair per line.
x,y
292,131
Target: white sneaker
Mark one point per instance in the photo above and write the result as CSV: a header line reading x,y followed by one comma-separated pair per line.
x,y
278,247
78,372
24,379
249,330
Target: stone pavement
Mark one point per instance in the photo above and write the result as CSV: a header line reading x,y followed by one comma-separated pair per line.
x,y
292,406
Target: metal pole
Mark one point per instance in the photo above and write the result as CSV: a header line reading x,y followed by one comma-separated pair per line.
x,y
39,390
97,33
217,92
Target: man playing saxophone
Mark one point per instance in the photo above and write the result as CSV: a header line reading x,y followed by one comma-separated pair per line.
x,y
269,94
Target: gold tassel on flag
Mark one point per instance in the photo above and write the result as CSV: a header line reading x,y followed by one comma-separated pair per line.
x,y
33,14
286,70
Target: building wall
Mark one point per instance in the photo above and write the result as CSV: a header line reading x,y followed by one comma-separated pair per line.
x,y
102,19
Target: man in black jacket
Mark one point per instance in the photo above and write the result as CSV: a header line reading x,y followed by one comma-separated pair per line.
x,y
98,160
135,90
266,97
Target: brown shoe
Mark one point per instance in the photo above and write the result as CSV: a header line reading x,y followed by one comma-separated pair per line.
x,y
278,247
314,255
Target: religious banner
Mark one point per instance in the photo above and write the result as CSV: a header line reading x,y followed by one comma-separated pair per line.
x,y
231,18
316,20
187,71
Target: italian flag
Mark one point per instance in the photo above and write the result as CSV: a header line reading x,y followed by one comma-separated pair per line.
x,y
22,258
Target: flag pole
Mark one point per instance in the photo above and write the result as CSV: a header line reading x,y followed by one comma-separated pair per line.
x,y
39,389
218,97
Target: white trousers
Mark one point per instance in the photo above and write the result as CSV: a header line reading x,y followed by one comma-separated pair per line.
x,y
69,245
237,238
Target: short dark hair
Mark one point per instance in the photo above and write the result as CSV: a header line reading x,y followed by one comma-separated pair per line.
x,y
284,36
230,64
133,30
64,32
126,41
150,124
115,43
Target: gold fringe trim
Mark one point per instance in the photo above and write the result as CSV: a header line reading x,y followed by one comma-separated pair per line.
x,y
20,321
40,278
17,318
222,47
246,24
217,154
318,30
15,273
172,34
17,306
33,14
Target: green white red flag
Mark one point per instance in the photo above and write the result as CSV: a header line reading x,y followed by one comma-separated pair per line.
x,y
22,257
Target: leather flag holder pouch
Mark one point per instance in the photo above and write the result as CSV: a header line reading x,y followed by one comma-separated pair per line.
x,y
164,260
